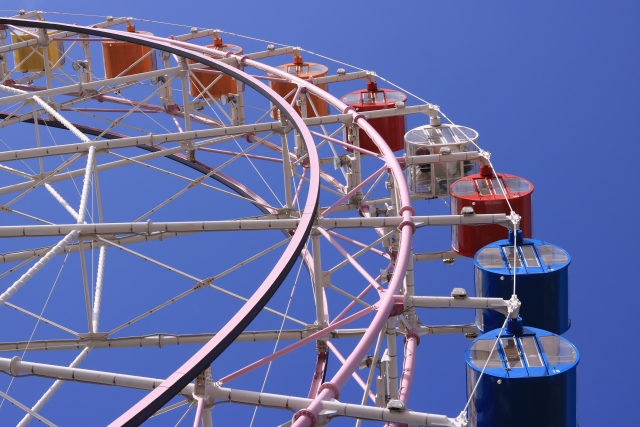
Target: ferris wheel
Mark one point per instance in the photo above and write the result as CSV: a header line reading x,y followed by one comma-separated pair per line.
x,y
208,231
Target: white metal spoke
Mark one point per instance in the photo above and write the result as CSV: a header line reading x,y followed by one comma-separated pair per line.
x,y
157,308
27,410
41,319
52,390
202,178
199,282
193,181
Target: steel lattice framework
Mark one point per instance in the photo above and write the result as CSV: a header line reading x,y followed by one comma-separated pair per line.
x,y
327,203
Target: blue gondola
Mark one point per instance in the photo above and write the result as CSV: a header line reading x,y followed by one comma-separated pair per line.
x,y
542,282
529,381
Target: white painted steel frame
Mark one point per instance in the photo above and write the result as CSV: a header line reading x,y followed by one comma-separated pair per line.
x,y
405,221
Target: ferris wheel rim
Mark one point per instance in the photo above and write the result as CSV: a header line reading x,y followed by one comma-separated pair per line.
x,y
406,209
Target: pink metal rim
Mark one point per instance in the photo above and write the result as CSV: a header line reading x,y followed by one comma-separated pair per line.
x,y
386,304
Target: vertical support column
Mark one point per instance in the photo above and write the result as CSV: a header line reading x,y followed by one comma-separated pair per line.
x,y
207,419
37,128
186,107
4,70
301,102
286,164
97,299
87,296
318,277
87,56
165,93
202,393
409,290
43,41
382,381
393,359
239,103
356,171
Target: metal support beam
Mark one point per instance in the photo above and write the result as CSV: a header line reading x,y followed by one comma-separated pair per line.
x,y
392,348
101,340
497,304
72,235
244,225
52,390
16,367
317,278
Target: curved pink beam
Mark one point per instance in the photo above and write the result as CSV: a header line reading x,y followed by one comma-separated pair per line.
x,y
386,303
210,351
317,335
404,252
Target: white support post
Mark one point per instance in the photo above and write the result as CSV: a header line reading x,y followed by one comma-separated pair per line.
x,y
317,277
382,381
43,41
186,106
286,167
86,185
207,419
409,291
97,298
354,133
87,56
37,129
239,104
98,196
393,358
3,60
85,281
52,390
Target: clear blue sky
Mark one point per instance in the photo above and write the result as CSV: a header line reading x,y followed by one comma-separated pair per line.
x,y
553,89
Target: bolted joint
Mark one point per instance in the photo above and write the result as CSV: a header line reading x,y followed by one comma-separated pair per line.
x,y
191,155
412,334
460,420
332,387
485,158
409,223
407,208
43,37
203,387
184,67
398,307
515,219
321,347
514,306
13,365
306,413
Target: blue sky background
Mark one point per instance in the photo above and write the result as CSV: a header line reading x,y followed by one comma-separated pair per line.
x,y
553,89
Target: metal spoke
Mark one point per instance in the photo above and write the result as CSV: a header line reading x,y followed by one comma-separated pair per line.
x,y
42,319
206,282
202,178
